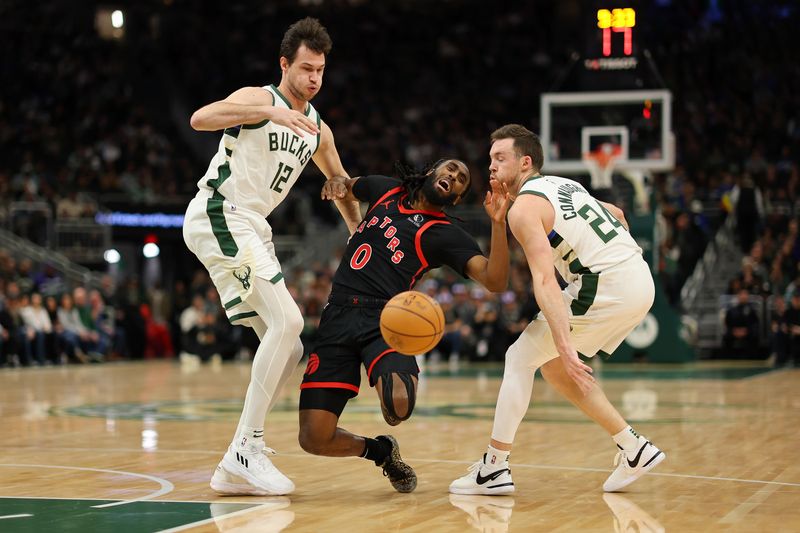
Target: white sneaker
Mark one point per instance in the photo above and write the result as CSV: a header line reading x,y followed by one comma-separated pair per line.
x,y
633,465
480,480
248,471
486,513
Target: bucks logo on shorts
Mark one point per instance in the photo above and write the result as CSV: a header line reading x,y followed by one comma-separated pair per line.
x,y
243,275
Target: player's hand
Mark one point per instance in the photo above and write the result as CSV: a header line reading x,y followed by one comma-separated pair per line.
x,y
334,189
497,201
580,372
294,120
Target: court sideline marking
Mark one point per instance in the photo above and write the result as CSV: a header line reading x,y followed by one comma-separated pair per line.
x,y
411,459
166,486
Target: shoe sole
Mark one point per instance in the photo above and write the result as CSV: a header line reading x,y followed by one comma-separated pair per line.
x,y
659,458
224,488
238,470
483,491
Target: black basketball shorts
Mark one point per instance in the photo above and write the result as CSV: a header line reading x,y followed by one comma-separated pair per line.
x,y
348,336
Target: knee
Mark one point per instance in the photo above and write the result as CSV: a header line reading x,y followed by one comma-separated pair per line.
x,y
294,322
312,441
297,352
398,396
516,357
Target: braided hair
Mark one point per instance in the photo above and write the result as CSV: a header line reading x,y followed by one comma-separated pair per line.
x,y
413,178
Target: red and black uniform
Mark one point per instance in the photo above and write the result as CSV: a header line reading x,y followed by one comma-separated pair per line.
x,y
390,251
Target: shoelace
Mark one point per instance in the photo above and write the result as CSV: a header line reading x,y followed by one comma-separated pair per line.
x,y
474,467
268,451
618,458
266,464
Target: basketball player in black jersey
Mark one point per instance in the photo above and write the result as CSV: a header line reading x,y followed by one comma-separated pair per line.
x,y
404,234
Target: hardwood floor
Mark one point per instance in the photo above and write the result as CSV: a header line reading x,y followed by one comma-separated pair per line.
x,y
131,447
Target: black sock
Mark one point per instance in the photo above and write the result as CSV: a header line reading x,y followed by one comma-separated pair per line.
x,y
376,450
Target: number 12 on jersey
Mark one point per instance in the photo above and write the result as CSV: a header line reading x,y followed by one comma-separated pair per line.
x,y
596,221
281,177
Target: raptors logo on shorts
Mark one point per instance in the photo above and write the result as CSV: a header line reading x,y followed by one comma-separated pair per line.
x,y
313,364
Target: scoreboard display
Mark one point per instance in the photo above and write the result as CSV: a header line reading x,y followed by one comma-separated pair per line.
x,y
611,39
619,20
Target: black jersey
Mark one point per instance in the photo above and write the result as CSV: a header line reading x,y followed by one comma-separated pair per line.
x,y
395,244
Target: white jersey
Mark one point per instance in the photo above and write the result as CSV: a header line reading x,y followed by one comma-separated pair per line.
x,y
257,164
586,238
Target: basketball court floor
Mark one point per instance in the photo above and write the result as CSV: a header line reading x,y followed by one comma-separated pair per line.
x,y
131,447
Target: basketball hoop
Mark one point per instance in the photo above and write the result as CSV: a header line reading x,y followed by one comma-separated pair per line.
x,y
601,162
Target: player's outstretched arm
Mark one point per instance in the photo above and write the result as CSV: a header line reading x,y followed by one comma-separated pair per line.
x,y
526,221
328,161
249,105
492,272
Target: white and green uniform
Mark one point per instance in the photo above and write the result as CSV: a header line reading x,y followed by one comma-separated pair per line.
x,y
610,288
251,173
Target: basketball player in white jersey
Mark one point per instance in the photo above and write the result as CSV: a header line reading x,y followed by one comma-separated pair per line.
x,y
270,134
609,291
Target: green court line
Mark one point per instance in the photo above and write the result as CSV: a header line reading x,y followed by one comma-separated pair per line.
x,y
616,373
80,515
664,411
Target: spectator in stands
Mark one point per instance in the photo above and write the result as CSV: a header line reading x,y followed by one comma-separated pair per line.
x,y
779,330
103,320
793,325
81,304
741,327
56,344
449,348
130,298
8,334
748,206
78,340
197,325
158,341
485,321
38,328
748,280
691,241
463,319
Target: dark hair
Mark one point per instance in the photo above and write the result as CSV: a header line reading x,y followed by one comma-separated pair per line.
x,y
306,31
525,142
413,178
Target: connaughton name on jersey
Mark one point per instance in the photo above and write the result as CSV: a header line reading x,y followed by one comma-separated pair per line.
x,y
289,142
565,193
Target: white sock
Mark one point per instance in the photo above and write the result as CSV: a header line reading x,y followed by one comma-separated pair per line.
x,y
628,439
495,458
515,393
247,436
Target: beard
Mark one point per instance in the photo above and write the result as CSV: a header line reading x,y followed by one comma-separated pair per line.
x,y
433,196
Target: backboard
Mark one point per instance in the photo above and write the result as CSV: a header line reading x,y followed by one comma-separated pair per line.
x,y
574,124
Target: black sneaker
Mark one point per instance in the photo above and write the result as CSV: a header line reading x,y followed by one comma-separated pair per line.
x,y
401,475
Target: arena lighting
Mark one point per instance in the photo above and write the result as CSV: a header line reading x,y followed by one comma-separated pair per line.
x,y
117,19
151,250
112,256
139,220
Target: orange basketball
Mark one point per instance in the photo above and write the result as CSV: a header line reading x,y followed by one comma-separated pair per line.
x,y
412,323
